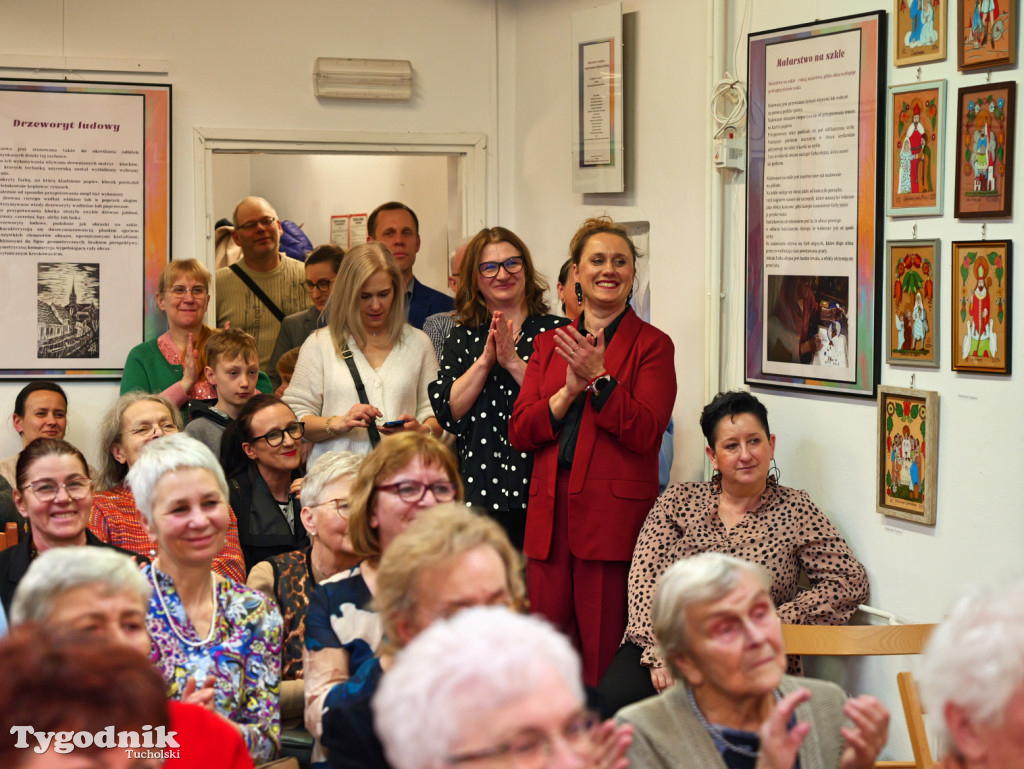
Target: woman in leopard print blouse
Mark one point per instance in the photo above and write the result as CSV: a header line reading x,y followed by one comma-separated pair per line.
x,y
741,512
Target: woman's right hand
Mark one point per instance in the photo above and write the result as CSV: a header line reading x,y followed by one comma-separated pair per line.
x,y
360,415
189,365
780,744
661,679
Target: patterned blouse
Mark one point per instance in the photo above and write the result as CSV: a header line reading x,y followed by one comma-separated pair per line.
x,y
787,533
116,519
497,477
242,652
342,633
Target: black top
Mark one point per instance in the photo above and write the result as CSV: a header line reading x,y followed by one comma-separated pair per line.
x,y
497,477
262,528
15,560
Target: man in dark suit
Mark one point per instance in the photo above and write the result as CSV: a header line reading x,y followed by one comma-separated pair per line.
x,y
396,226
321,267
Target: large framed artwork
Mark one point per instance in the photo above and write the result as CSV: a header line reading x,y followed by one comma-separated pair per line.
x,y
985,145
814,205
87,223
915,160
919,31
908,442
982,305
911,327
986,33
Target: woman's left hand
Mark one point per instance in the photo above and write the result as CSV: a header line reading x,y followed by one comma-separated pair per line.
x,y
201,696
189,365
584,354
608,746
868,735
780,744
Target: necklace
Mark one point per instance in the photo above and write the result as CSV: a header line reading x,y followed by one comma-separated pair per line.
x,y
172,622
717,733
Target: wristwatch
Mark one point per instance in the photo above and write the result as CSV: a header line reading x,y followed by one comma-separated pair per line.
x,y
598,384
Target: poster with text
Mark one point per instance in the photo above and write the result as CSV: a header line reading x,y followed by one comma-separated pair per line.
x,y
85,196
813,205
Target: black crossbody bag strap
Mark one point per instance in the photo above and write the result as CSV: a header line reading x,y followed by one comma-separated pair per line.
x,y
258,291
371,428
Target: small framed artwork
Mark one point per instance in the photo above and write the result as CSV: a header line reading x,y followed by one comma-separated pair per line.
x,y
984,155
908,442
915,159
981,306
986,33
919,31
911,321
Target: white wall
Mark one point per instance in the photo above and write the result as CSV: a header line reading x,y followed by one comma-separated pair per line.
x,y
250,65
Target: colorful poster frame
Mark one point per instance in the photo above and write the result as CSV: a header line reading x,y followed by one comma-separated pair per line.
x,y
981,330
907,464
911,307
984,150
919,31
156,229
917,116
863,308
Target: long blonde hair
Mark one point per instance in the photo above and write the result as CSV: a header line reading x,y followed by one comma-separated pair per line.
x,y
359,265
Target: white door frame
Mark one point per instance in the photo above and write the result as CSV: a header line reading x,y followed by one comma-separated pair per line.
x,y
470,149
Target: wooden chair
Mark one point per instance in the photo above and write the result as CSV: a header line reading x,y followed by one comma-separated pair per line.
x,y
869,641
9,536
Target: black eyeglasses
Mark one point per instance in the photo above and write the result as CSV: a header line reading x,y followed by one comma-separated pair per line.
x,y
323,285
414,491
47,490
276,437
178,292
340,506
512,265
266,221
531,747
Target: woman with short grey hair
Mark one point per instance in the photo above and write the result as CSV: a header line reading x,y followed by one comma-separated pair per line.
x,y
973,679
733,706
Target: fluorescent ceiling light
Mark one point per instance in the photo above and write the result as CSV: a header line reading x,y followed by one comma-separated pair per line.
x,y
363,79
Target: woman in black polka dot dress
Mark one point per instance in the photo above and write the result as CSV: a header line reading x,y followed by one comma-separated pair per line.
x,y
500,308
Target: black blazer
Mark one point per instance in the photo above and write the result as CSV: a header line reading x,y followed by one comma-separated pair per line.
x,y
262,530
426,301
15,560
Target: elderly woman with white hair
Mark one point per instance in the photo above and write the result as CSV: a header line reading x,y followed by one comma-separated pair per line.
x,y
102,593
202,624
734,707
490,685
290,578
973,679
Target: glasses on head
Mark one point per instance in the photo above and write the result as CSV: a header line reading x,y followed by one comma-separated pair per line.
x,y
532,747
179,292
266,221
414,491
149,430
276,437
47,490
340,506
323,285
490,269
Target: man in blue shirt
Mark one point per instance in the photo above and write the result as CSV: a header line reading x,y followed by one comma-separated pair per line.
x,y
396,226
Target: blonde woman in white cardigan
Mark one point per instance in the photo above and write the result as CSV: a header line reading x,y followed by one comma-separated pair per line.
x,y
396,362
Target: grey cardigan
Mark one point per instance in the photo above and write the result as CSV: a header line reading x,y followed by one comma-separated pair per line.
x,y
669,736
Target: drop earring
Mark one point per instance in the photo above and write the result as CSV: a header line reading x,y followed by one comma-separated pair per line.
x,y
579,292
630,297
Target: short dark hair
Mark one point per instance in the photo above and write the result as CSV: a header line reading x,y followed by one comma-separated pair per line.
x,y
232,456
45,447
40,385
563,271
328,252
391,205
731,404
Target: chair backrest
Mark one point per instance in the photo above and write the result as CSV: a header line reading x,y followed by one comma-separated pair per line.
x,y
9,536
869,641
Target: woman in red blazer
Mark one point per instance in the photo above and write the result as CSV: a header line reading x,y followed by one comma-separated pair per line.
x,y
593,406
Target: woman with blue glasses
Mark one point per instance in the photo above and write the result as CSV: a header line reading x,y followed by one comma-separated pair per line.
x,y
500,309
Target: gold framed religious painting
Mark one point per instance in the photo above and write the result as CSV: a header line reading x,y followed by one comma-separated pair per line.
x,y
981,339
919,31
985,149
986,34
915,160
908,442
912,327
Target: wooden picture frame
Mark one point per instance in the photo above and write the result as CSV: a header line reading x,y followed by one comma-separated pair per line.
x,y
984,150
911,307
919,31
981,339
908,442
983,41
915,157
